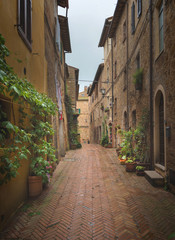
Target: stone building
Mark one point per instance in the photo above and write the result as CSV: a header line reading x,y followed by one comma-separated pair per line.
x,y
57,42
100,93
83,118
72,85
72,90
142,34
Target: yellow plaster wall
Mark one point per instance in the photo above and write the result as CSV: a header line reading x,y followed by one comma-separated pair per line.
x,y
34,61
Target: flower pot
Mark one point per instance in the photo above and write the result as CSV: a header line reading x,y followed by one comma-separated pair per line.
x,y
73,146
130,167
122,161
35,185
140,172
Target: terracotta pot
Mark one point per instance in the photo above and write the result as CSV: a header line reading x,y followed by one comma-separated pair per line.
x,y
140,172
35,185
130,167
73,146
122,161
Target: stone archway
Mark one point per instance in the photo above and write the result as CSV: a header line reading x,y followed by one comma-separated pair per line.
x,y
159,128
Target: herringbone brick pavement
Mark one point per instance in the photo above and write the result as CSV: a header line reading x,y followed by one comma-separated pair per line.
x,y
91,196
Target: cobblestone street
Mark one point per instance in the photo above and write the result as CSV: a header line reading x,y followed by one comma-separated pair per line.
x,y
91,196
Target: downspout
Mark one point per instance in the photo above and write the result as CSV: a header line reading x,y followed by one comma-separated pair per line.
x,y
112,80
151,88
112,91
127,82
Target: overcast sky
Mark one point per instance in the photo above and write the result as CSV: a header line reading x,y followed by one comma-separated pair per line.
x,y
86,21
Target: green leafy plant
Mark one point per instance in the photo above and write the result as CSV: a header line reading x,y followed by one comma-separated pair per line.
x,y
104,140
140,137
138,78
106,109
140,168
129,160
25,139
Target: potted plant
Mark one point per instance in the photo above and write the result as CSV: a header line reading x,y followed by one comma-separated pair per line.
x,y
138,78
140,170
122,159
130,165
102,107
41,166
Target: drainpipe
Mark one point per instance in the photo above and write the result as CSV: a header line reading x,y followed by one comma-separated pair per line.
x,y
151,87
112,90
112,80
127,82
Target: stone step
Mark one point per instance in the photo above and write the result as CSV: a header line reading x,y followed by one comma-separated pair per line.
x,y
154,178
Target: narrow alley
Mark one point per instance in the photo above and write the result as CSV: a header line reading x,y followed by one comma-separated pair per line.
x,y
91,196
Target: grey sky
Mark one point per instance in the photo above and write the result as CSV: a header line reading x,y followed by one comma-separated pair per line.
x,y
86,21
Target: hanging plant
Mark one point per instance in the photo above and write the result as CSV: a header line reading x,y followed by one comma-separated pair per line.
x,y
107,109
138,78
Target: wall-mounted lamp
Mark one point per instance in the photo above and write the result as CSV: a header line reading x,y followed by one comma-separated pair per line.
x,y
168,132
103,91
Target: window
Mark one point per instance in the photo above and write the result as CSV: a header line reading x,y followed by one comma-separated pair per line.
x,y
115,70
161,42
25,21
138,61
125,120
139,8
134,119
133,18
107,74
124,31
124,80
115,104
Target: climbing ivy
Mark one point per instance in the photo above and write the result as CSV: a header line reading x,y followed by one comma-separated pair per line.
x,y
26,139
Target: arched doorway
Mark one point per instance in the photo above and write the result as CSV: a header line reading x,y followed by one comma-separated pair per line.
x,y
159,129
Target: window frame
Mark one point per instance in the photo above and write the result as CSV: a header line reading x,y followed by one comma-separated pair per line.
x,y
138,61
124,31
133,18
161,27
115,69
139,8
25,30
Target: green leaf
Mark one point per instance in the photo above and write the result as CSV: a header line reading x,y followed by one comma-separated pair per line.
x,y
8,125
16,90
172,236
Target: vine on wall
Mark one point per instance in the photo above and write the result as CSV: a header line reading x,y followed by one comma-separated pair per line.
x,y
26,139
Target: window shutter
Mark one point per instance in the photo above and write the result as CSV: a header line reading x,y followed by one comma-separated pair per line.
x,y
133,18
139,7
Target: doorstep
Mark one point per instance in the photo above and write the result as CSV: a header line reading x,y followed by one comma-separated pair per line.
x,y
154,178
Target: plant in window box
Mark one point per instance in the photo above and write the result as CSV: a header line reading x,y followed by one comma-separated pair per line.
x,y
138,78
140,171
102,107
130,165
107,109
